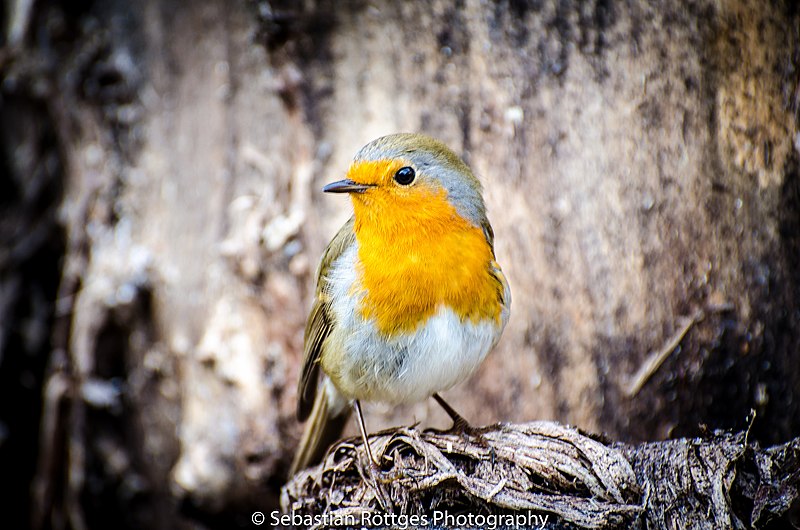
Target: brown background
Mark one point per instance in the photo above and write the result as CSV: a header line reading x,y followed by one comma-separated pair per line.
x,y
640,170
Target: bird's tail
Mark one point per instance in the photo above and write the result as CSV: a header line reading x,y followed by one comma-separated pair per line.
x,y
323,427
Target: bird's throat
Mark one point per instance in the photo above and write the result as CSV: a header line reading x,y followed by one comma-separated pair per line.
x,y
413,260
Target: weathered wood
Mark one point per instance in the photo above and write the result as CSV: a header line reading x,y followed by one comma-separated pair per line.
x,y
563,477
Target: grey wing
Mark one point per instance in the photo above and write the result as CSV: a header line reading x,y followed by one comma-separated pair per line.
x,y
320,321
488,233
503,290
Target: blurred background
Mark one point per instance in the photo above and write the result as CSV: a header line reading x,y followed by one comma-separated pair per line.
x,y
161,218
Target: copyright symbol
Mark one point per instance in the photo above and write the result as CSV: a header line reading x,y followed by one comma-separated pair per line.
x,y
258,518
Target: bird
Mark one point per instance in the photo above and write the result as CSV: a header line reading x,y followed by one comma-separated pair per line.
x,y
409,296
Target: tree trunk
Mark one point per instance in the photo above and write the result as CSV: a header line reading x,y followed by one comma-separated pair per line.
x,y
640,165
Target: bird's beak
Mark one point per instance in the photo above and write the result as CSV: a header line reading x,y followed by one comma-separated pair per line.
x,y
346,186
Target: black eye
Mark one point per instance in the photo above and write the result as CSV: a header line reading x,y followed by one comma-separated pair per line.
x,y
404,176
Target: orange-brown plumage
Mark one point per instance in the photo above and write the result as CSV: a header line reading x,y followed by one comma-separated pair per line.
x,y
417,253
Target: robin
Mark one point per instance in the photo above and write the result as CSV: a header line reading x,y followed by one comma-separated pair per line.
x,y
409,297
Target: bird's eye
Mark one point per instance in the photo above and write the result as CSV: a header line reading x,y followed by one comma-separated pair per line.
x,y
405,176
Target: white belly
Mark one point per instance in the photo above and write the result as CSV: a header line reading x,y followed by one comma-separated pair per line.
x,y
407,368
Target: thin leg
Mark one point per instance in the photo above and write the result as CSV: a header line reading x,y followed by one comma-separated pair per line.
x,y
357,407
374,469
459,423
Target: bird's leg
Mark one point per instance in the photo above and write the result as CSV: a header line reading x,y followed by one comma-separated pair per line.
x,y
363,428
459,423
462,427
374,467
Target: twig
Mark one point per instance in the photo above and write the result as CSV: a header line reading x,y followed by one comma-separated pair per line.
x,y
656,359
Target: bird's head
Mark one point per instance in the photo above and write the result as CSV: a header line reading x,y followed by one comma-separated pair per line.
x,y
404,178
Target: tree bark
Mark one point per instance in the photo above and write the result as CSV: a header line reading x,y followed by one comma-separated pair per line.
x,y
640,165
545,475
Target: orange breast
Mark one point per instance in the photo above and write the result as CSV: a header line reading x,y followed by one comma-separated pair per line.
x,y
417,253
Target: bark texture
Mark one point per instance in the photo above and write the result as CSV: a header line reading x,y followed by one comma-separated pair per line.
x,y
162,162
563,478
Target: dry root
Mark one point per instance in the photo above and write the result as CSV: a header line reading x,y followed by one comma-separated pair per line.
x,y
717,482
541,466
